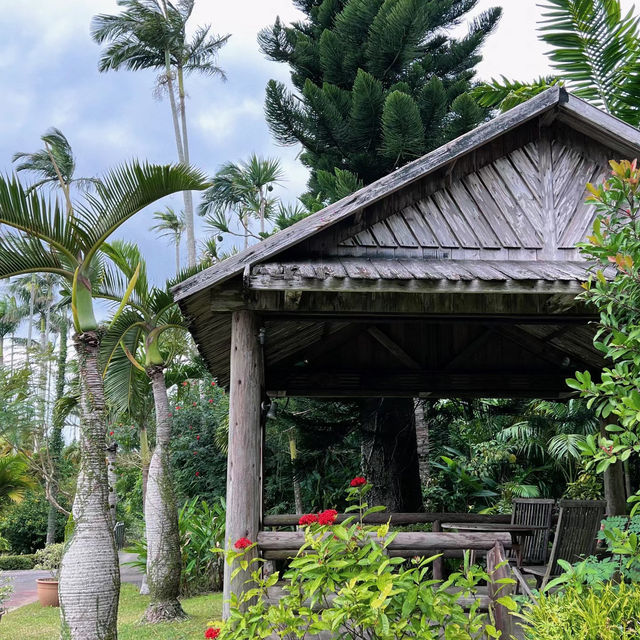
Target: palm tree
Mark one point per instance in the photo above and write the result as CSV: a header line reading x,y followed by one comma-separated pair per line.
x,y
242,188
595,50
15,477
151,34
45,240
138,332
55,165
170,225
10,317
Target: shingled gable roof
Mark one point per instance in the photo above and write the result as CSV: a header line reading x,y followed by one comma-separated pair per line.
x,y
556,101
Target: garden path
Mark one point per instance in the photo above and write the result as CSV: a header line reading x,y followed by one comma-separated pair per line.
x,y
24,582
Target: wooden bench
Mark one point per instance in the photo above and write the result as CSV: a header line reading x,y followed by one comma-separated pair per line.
x,y
278,545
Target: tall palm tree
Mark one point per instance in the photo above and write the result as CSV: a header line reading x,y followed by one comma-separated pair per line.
x,y
244,189
10,317
151,34
138,333
46,240
595,51
55,165
171,225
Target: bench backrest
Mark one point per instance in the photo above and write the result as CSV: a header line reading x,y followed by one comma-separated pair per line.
x,y
536,512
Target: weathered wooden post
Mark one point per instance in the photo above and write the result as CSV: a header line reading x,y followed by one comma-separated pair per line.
x,y
498,568
244,467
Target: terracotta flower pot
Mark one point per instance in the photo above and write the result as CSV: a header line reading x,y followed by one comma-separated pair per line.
x,y
48,592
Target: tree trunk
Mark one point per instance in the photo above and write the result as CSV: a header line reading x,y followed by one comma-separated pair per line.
x,y
32,302
614,490
56,443
90,574
390,460
188,196
177,256
112,454
422,441
164,561
1,351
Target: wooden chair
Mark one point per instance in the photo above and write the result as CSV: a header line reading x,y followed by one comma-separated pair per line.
x,y
575,538
536,512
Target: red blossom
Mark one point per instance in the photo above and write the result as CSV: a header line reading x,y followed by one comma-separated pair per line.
x,y
197,437
197,474
195,453
110,433
213,384
185,383
358,481
178,408
212,632
210,400
242,543
195,403
308,519
327,517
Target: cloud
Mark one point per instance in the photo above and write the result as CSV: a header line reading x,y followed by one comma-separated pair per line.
x,y
221,122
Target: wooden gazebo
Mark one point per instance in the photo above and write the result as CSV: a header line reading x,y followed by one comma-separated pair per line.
x,y
454,276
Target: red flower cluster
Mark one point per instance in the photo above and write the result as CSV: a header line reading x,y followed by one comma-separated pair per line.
x,y
212,632
242,543
110,433
308,518
185,383
327,517
358,481
213,384
197,437
210,400
197,474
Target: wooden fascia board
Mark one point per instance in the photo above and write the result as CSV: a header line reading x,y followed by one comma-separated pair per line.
x,y
265,282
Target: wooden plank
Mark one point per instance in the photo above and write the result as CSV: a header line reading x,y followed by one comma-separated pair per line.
x,y
419,227
418,541
527,169
291,519
550,244
244,468
381,232
498,569
450,210
438,223
401,231
525,229
474,217
492,212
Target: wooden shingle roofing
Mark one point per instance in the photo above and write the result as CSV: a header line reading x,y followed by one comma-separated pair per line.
x,y
555,103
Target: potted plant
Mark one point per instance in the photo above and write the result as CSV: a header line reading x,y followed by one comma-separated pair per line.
x,y
49,559
6,589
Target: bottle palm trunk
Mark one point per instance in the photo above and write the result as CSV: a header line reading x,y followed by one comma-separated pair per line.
x,y
89,573
164,561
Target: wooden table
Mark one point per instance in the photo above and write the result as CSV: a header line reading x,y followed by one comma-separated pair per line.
x,y
517,531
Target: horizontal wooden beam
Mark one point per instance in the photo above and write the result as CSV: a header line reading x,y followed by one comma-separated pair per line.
x,y
418,541
264,282
291,519
440,384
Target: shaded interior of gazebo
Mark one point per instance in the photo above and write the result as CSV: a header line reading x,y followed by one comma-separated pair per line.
x,y
454,276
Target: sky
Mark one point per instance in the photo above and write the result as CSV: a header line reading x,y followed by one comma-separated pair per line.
x,y
48,64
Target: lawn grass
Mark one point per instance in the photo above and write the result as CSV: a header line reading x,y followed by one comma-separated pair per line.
x,y
33,622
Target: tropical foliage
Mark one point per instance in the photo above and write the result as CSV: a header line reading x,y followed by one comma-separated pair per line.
x,y
594,49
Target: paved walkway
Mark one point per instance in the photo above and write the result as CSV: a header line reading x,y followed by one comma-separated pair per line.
x,y
24,582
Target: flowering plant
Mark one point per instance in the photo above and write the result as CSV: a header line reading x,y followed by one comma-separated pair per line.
x,y
344,581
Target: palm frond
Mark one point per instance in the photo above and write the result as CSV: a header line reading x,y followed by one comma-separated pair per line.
x,y
596,49
26,254
128,189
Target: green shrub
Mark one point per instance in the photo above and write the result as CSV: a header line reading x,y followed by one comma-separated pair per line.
x,y
600,612
50,558
24,525
346,584
17,563
201,532
6,589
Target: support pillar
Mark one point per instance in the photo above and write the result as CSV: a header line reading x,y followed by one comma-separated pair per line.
x,y
614,489
244,464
